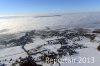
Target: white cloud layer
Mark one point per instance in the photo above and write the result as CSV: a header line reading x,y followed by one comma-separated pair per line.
x,y
21,23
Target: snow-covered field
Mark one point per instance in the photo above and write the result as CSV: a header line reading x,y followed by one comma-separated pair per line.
x,y
91,54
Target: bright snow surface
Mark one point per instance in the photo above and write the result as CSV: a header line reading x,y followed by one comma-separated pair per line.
x,y
91,51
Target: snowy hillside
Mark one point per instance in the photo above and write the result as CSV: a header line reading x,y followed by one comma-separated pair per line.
x,y
62,44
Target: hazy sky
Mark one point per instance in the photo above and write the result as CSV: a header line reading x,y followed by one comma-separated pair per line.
x,y
42,6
